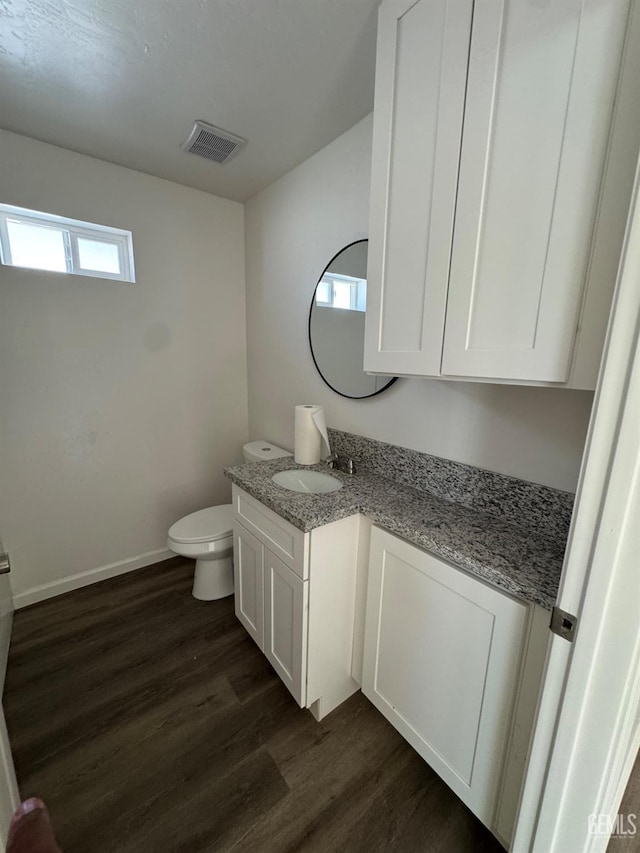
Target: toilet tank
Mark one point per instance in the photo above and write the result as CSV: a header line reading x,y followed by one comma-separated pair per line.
x,y
261,451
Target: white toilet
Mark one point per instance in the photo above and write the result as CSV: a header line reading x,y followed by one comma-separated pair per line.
x,y
207,535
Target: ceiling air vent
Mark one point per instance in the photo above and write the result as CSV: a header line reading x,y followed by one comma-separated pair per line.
x,y
212,143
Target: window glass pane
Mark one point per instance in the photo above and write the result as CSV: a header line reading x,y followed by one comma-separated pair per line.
x,y
37,247
341,294
361,295
323,293
99,256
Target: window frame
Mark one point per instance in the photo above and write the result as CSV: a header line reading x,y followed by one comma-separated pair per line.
x,y
71,230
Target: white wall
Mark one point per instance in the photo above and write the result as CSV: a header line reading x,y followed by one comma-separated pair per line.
x,y
292,229
120,404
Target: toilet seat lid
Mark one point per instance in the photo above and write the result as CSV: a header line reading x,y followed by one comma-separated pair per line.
x,y
205,525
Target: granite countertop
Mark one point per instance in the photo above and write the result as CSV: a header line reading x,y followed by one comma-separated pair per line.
x,y
512,558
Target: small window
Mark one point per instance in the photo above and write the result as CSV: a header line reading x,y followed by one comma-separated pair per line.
x,y
42,241
342,291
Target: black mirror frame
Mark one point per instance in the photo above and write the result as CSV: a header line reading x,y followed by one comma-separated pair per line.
x,y
348,396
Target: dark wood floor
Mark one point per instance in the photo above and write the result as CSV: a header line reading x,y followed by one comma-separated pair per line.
x,y
630,805
150,721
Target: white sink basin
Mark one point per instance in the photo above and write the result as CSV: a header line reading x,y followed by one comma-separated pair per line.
x,y
310,482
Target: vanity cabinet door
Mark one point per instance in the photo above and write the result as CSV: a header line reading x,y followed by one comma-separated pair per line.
x,y
421,70
286,601
540,94
248,571
441,661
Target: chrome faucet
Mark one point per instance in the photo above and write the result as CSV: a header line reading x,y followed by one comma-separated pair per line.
x,y
342,463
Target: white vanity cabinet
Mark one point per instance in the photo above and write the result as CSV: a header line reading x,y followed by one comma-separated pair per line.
x,y
494,143
295,594
445,661
272,603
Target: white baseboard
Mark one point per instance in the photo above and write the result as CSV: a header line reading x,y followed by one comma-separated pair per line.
x,y
53,588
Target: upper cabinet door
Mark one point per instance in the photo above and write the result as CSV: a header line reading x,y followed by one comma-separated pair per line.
x,y
541,86
421,71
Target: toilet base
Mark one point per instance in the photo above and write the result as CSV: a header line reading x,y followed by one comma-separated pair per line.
x,y
213,579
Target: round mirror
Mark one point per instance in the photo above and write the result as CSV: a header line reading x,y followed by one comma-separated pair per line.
x,y
336,325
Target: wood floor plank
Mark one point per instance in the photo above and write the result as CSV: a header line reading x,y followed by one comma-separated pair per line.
x,y
81,768
150,721
251,675
215,813
386,807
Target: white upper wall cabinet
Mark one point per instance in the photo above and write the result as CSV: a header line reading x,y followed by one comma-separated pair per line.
x,y
491,134
421,73
542,79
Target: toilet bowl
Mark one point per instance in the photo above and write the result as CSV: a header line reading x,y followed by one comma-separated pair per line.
x,y
207,536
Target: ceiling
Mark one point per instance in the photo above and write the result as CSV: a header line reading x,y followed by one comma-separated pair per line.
x,y
123,80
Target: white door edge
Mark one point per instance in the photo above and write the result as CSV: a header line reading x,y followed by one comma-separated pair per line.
x,y
9,787
588,731
9,797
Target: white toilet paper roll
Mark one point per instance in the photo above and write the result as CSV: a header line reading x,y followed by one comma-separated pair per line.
x,y
310,433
